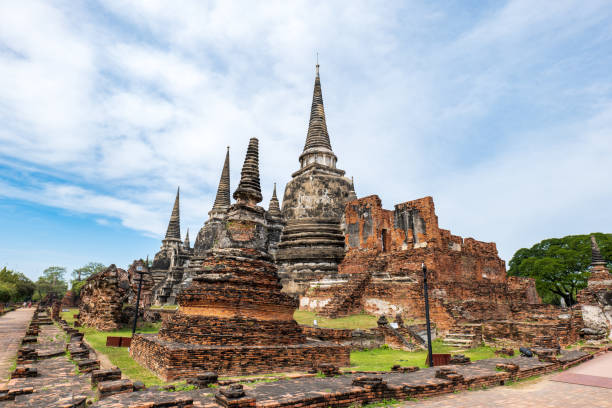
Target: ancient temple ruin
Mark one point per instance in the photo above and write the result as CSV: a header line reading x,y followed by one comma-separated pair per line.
x,y
340,254
232,316
470,292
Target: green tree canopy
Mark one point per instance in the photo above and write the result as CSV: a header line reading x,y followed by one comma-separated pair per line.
x,y
560,266
86,271
52,282
79,275
15,286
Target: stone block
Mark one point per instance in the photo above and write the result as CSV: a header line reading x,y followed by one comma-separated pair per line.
x,y
108,388
234,396
88,365
78,401
111,374
328,370
459,359
203,380
24,371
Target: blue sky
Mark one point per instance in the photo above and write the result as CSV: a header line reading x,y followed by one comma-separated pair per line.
x,y
502,111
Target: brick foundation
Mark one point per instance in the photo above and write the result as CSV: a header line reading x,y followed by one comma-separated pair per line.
x,y
172,360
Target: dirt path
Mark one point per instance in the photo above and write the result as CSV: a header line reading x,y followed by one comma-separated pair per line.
x,y
13,327
105,363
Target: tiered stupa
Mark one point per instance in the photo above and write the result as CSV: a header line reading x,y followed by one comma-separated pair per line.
x,y
232,317
275,224
167,256
312,242
170,260
217,215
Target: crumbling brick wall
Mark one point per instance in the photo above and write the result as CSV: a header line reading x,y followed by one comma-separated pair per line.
x,y
102,300
467,279
596,304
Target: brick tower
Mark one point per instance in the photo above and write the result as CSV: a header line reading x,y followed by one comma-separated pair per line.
x,y
312,242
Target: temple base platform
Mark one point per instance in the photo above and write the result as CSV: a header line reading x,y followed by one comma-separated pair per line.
x,y
173,360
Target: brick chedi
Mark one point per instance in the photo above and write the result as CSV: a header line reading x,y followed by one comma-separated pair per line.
x,y
312,242
596,299
233,317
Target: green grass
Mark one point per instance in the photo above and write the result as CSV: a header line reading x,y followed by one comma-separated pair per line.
x,y
13,366
118,356
383,403
358,321
382,359
69,316
522,381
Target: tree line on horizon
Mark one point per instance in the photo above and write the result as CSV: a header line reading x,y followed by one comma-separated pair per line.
x,y
15,287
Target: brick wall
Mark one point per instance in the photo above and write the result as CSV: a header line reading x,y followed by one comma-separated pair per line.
x,y
171,363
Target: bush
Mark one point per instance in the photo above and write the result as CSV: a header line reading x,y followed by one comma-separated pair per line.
x,y
8,292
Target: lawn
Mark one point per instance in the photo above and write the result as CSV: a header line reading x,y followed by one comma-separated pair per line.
x,y
358,321
118,356
382,359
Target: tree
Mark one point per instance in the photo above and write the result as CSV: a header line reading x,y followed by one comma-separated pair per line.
x,y
79,275
86,271
15,285
52,282
560,266
7,292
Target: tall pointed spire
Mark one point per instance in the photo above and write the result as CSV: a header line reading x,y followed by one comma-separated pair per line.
x,y
317,128
596,258
222,200
186,244
174,226
274,207
352,195
249,190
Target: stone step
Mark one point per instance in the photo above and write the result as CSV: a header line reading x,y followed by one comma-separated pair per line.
x,y
467,336
457,342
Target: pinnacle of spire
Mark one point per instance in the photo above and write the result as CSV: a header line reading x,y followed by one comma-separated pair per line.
x,y
186,244
222,200
596,258
274,207
249,190
174,226
352,195
317,128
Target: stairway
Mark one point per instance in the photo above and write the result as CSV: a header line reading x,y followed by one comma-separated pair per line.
x,y
400,340
348,297
420,336
464,336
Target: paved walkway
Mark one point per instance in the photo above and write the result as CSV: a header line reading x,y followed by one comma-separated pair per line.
x,y
539,393
13,327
